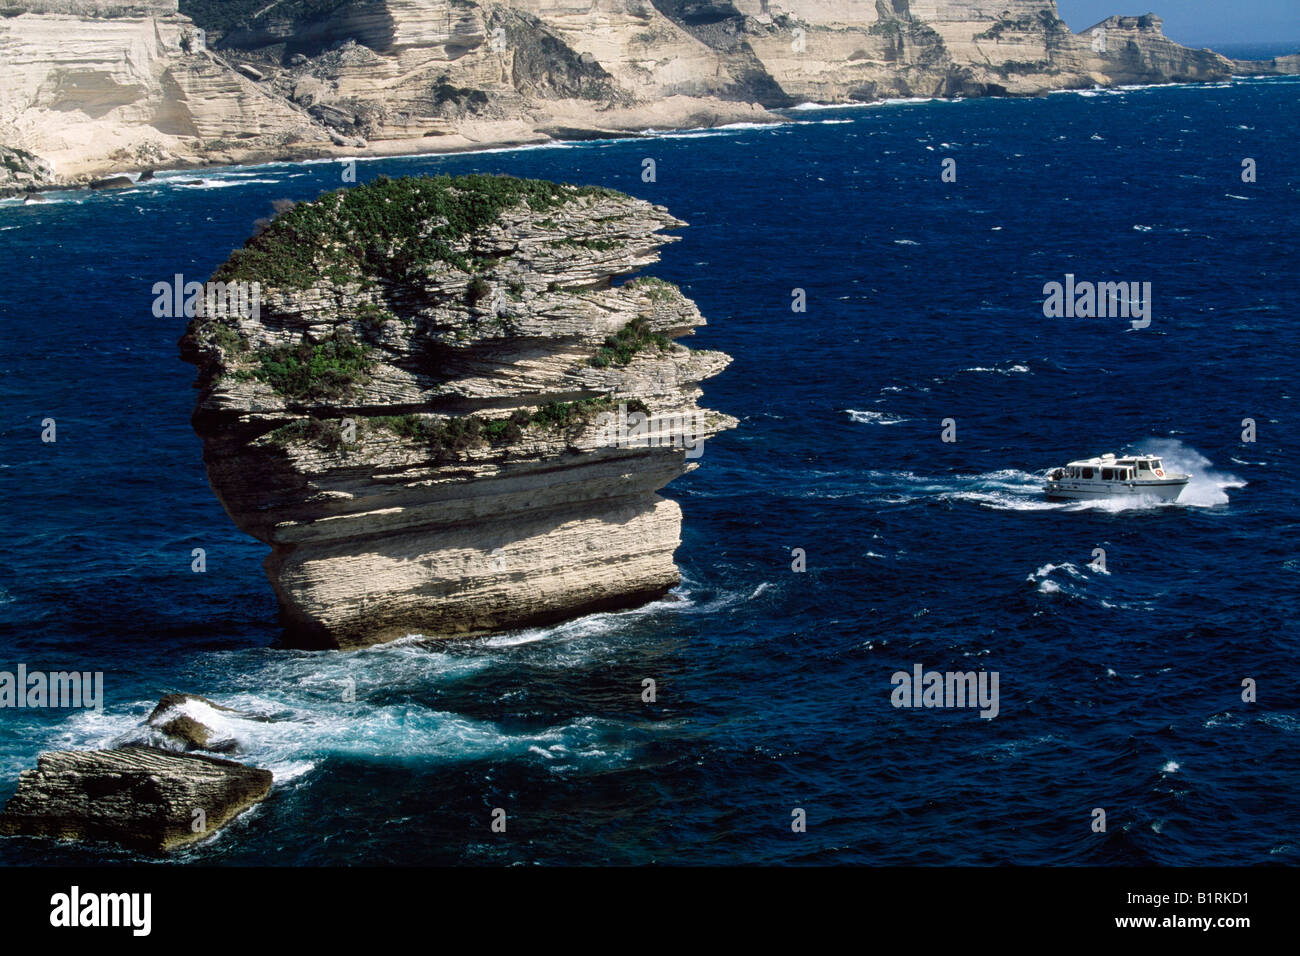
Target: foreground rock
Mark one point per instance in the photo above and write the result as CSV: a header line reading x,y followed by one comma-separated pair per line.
x,y
432,419
139,797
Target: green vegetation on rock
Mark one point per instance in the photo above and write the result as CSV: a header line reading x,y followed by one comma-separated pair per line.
x,y
314,371
1024,66
450,438
632,338
226,338
388,228
373,318
314,431
564,414
658,289
478,290
596,245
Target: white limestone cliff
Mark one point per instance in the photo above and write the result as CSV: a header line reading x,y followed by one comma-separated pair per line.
x,y
100,86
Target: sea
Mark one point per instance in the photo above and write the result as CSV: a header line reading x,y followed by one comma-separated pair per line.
x,y
900,396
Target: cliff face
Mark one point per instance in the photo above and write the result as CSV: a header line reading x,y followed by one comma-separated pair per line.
x,y
91,86
94,86
435,417
836,50
1135,50
444,74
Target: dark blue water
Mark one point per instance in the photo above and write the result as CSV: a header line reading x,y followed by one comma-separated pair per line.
x,y
1119,690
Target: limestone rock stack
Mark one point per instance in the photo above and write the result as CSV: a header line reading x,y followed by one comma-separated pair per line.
x,y
435,417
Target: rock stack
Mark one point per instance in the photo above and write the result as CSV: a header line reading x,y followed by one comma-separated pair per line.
x,y
448,409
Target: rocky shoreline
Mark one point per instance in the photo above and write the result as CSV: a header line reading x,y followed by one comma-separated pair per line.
x,y
120,86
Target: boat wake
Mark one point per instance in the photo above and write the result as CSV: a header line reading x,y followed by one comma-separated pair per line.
x,y
1208,487
1014,489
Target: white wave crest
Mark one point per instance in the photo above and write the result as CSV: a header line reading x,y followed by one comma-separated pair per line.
x,y
873,418
223,183
1208,488
1009,370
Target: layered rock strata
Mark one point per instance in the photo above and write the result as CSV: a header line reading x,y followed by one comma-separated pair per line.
x,y
139,797
839,50
433,418
93,86
100,86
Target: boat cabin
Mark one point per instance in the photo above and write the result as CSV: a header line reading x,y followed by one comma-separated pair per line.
x,y
1110,468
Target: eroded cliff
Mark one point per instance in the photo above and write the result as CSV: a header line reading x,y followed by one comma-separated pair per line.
x,y
444,415
98,86
90,87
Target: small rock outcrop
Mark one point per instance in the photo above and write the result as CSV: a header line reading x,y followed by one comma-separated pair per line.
x,y
444,415
180,719
112,182
21,172
140,797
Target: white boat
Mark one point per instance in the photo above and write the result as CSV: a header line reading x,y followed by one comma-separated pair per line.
x,y
1109,477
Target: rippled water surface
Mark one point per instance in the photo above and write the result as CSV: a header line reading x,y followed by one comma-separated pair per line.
x,y
1119,688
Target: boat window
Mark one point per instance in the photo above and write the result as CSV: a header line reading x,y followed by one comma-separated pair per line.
x,y
1087,472
1107,474
1156,464
1144,466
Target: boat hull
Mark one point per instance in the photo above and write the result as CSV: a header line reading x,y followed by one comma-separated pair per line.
x,y
1080,490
